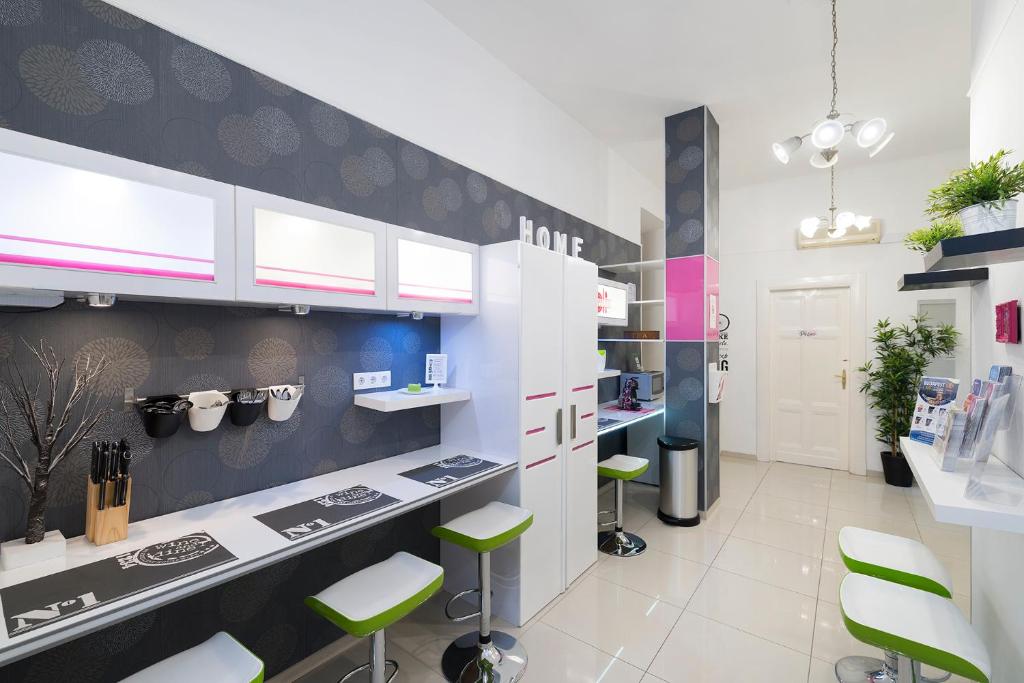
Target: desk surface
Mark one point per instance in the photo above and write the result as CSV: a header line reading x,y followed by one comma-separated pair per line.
x,y
232,523
997,504
624,418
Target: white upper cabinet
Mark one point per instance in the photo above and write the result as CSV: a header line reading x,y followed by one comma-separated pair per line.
x,y
432,274
290,252
80,221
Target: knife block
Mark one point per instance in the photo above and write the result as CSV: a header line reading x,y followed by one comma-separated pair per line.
x,y
111,523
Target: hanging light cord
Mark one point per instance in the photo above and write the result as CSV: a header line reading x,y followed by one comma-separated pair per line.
x,y
834,114
832,195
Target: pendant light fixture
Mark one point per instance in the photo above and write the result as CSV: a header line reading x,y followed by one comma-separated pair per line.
x,y
837,223
869,134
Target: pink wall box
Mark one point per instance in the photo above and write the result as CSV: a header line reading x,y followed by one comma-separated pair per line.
x,y
1008,322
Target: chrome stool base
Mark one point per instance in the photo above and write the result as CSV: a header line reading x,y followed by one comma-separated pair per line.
x,y
466,660
620,543
861,670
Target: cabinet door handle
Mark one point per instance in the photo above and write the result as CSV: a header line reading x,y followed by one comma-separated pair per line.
x,y
558,426
572,421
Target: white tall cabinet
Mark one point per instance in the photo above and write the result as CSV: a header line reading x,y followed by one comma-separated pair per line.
x,y
530,358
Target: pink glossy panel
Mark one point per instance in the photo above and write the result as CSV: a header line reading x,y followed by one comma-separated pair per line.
x,y
713,302
684,298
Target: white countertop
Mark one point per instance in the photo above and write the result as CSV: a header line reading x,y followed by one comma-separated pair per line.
x,y
998,504
626,418
232,523
397,399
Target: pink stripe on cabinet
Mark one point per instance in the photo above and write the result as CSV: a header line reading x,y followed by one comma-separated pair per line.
x,y
583,445
424,297
97,247
313,272
101,267
305,285
583,388
584,416
535,430
541,462
534,397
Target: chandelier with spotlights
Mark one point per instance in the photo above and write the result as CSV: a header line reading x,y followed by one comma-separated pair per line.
x,y
869,134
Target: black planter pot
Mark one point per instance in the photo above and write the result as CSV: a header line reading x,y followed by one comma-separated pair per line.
x,y
897,471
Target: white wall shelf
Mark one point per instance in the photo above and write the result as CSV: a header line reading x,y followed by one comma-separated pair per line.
x,y
999,505
390,401
633,341
635,266
606,374
641,302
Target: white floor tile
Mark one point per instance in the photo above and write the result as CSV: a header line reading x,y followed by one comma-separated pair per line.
x,y
837,519
831,639
412,670
556,656
788,510
722,519
795,489
618,621
781,568
894,505
818,475
830,549
700,650
821,672
697,544
832,574
797,538
655,574
781,616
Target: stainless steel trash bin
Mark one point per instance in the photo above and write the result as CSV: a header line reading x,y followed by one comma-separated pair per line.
x,y
679,479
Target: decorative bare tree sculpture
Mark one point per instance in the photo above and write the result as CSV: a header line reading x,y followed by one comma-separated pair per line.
x,y
48,427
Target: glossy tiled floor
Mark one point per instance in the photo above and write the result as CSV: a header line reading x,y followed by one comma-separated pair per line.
x,y
749,595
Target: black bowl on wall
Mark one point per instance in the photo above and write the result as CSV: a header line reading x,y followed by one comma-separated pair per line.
x,y
245,414
160,424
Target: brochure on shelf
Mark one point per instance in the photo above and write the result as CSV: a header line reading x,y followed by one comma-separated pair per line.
x,y
935,396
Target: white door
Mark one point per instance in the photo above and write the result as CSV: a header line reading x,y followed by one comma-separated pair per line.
x,y
810,376
580,409
542,422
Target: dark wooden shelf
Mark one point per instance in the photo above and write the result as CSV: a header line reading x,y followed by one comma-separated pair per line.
x,y
986,249
942,279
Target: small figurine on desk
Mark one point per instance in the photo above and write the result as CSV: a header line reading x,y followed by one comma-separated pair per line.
x,y
627,400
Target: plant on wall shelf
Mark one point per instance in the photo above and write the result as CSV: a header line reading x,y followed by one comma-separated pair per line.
x,y
981,194
57,417
902,354
923,239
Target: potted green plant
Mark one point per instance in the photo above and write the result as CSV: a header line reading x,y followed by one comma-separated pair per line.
x,y
982,195
902,354
923,239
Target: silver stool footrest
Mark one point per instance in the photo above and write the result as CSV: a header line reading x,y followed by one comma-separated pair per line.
x,y
466,660
462,617
366,667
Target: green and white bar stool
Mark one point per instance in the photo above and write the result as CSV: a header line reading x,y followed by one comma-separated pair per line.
x,y
221,658
895,559
915,627
621,468
367,602
484,655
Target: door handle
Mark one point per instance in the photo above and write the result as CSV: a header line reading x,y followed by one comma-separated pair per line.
x,y
558,426
572,421
842,377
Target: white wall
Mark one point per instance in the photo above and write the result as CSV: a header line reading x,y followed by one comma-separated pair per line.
x,y
758,243
404,67
997,100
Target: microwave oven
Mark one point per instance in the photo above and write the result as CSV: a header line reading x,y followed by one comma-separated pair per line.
x,y
612,302
650,385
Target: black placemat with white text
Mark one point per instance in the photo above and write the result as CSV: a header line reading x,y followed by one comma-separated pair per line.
x,y
49,599
302,519
448,471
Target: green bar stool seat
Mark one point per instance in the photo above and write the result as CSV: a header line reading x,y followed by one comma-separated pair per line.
x,y
916,626
619,543
367,602
484,655
891,558
221,658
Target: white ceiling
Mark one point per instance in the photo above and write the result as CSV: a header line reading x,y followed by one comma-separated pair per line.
x,y
761,65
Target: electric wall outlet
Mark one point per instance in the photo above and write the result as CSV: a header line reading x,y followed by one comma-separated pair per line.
x,y
371,380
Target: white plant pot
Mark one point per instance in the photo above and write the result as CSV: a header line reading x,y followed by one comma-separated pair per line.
x,y
982,218
204,415
602,361
279,409
17,554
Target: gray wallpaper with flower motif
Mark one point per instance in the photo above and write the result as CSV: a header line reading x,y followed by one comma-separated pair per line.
x,y
88,74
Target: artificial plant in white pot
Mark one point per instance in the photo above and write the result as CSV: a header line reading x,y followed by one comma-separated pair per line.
x,y
982,195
